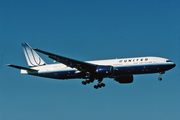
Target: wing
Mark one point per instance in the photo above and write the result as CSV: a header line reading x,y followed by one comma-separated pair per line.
x,y
24,68
81,66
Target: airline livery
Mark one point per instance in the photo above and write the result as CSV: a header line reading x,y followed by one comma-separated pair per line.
x,y
121,70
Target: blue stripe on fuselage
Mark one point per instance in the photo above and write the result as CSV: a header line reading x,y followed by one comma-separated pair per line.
x,y
141,69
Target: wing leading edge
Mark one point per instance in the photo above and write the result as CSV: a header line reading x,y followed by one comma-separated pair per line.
x,y
79,65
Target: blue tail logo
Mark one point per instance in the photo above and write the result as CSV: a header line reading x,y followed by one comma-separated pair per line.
x,y
33,59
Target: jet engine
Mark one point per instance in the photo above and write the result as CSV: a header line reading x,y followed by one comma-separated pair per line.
x,y
105,70
124,79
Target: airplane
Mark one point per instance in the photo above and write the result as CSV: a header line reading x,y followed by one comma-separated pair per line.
x,y
121,70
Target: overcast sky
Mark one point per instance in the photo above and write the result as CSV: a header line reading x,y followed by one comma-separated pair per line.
x,y
89,30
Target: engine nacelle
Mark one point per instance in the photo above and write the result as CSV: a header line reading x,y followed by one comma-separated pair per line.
x,y
124,79
105,70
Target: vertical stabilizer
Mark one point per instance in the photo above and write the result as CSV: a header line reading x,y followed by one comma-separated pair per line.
x,y
33,59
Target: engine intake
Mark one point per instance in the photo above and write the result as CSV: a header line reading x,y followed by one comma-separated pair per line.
x,y
105,70
124,79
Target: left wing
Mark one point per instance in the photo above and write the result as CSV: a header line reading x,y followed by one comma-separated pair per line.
x,y
79,65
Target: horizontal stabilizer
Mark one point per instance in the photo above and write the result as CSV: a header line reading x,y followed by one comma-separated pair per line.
x,y
23,68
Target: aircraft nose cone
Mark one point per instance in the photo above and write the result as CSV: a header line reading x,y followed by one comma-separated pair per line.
x,y
173,65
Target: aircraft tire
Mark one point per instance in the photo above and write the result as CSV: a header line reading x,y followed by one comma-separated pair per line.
x,y
103,85
159,78
99,86
83,82
95,86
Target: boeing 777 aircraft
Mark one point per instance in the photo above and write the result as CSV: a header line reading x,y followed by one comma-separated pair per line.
x,y
121,70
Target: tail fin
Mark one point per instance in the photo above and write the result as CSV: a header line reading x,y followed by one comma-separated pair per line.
x,y
33,59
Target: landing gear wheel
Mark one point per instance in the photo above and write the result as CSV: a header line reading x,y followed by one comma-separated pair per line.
x,y
83,82
159,78
160,74
87,81
95,86
102,84
99,85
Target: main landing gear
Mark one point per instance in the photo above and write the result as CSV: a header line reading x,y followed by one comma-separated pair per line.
x,y
99,85
160,74
88,81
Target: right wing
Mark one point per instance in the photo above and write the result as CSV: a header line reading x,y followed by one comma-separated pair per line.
x,y
79,65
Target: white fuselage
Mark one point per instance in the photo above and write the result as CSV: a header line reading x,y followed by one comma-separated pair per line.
x,y
124,66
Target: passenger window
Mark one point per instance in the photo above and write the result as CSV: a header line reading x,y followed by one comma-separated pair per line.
x,y
146,59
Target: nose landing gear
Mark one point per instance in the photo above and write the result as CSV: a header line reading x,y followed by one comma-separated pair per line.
x,y
160,74
159,78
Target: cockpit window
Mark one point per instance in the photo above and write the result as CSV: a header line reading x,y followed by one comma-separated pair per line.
x,y
168,61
